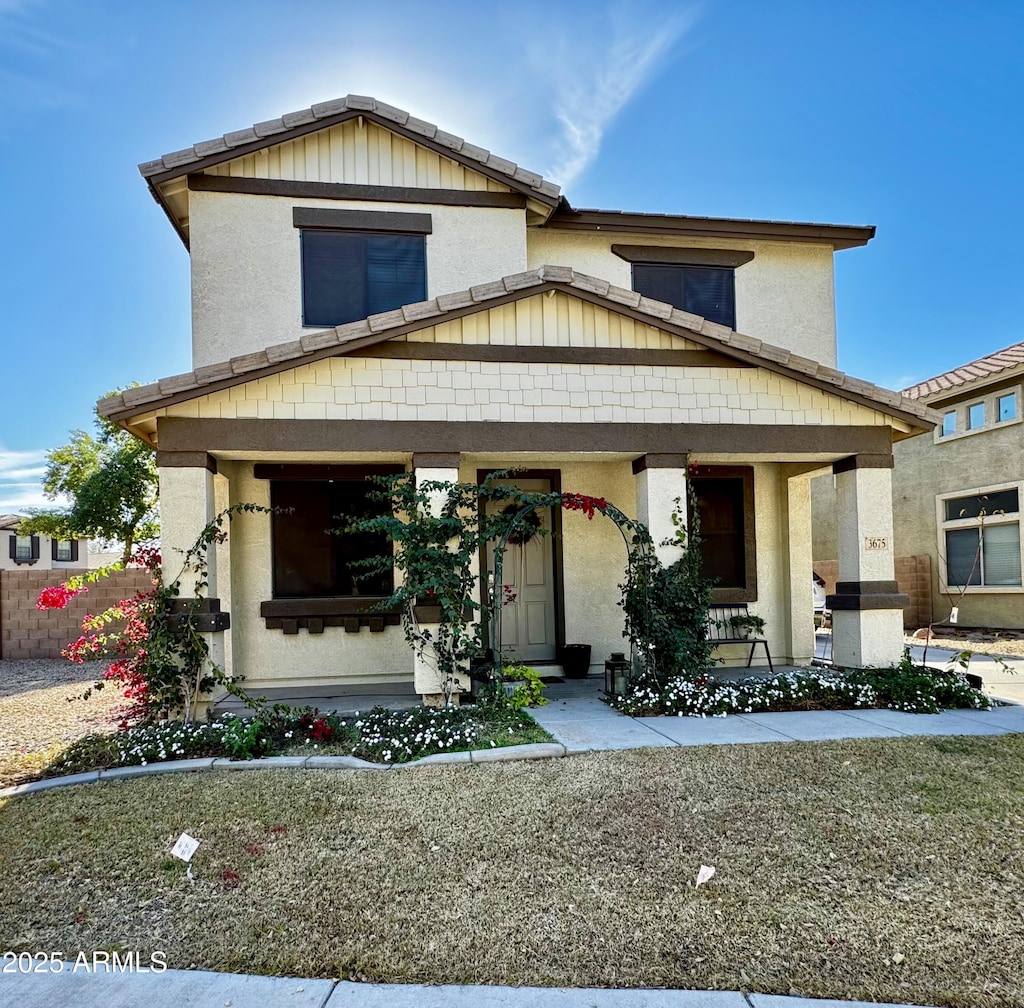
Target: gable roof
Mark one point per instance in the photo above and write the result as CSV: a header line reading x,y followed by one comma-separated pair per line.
x,y
353,336
983,367
266,134
10,521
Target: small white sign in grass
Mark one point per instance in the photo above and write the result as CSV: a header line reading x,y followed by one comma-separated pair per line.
x,y
185,847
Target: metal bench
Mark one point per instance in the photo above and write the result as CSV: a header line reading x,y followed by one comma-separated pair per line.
x,y
720,631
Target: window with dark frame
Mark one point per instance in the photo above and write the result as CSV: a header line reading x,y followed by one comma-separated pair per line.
x,y
24,549
349,275
709,291
982,539
64,551
724,499
312,561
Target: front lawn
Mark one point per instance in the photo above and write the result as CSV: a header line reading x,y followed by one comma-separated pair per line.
x,y
873,869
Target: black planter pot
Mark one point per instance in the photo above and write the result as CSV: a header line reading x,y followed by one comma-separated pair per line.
x,y
575,660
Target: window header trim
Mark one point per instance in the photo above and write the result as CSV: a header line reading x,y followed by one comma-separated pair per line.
x,y
669,256
362,220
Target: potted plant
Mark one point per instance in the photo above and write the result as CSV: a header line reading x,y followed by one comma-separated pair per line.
x,y
744,625
522,685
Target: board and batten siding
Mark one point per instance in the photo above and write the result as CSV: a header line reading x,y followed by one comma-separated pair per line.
x,y
358,152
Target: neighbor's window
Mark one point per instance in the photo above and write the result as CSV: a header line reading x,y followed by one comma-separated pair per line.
x,y
981,536
348,275
976,416
724,501
312,561
24,549
65,552
1006,407
949,423
704,290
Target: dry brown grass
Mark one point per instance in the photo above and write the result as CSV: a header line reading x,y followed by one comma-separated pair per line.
x,y
41,712
834,859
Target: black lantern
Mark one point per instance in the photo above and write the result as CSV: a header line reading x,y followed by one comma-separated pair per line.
x,y
616,674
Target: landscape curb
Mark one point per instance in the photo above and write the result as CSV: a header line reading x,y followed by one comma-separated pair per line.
x,y
530,751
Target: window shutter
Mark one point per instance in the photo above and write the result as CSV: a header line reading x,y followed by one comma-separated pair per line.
x,y
14,547
53,549
74,550
35,547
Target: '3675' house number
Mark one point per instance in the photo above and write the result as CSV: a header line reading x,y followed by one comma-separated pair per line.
x,y
876,542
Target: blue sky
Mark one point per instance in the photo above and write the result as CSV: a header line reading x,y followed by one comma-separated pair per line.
x,y
906,114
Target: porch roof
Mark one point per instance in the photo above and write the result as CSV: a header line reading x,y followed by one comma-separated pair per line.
x,y
355,336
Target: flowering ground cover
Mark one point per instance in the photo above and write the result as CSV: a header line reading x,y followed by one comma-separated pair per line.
x,y
881,869
379,735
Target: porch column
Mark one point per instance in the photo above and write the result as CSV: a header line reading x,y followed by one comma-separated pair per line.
x,y
867,609
434,467
660,490
189,486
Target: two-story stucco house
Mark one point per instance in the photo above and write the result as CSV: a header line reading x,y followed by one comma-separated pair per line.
x,y
40,552
958,495
371,294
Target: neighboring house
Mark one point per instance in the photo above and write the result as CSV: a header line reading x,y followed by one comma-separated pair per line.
x,y
38,552
958,494
371,294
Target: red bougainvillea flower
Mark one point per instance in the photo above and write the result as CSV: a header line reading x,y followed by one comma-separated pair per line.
x,y
582,502
508,596
57,596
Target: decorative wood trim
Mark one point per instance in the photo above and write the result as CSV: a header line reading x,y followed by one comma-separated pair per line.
x,y
193,434
362,220
288,471
186,460
313,614
627,356
436,460
348,191
665,460
863,461
662,254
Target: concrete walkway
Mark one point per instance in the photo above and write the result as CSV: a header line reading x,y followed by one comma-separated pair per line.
x,y
194,989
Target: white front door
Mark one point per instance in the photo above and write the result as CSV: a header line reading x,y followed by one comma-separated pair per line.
x,y
528,631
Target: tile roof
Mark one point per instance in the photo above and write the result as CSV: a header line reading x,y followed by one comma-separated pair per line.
x,y
378,328
275,131
1001,360
10,521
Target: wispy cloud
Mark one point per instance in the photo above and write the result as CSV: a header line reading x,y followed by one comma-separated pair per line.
x,y
595,69
21,474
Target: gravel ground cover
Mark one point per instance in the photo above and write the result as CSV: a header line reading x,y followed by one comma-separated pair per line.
x,y
1006,643
37,719
885,870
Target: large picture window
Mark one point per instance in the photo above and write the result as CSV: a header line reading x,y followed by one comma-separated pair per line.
x,y
311,560
724,497
981,539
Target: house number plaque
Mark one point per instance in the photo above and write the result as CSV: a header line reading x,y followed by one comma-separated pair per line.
x,y
876,543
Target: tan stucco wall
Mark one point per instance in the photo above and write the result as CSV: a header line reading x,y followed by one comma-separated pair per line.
x,y
784,295
246,275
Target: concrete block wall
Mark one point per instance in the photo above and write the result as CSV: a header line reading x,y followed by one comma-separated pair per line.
x,y
26,632
914,577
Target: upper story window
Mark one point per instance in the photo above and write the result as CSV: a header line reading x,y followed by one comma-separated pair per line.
x,y
1006,407
357,263
967,418
24,549
701,281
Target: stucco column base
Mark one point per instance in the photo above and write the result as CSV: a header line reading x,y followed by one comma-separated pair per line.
x,y
660,493
865,638
427,679
436,700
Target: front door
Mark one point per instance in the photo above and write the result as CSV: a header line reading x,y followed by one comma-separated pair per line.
x,y
528,625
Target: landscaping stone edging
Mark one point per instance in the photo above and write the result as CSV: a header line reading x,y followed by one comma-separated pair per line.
x,y
533,750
